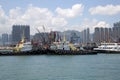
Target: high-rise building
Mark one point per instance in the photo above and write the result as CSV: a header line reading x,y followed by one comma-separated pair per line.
x,y
116,31
102,35
18,31
96,35
74,38
0,40
10,39
88,35
5,39
85,35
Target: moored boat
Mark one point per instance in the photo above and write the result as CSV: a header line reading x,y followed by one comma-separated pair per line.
x,y
23,45
108,48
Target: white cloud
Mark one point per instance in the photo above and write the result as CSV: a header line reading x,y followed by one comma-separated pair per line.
x,y
4,26
3,17
105,10
59,21
102,24
33,16
76,10
91,24
15,13
36,17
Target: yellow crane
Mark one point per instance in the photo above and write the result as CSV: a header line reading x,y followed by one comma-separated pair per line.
x,y
19,46
72,47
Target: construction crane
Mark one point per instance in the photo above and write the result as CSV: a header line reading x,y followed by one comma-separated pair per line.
x,y
43,37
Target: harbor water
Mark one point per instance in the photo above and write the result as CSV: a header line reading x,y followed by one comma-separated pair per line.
x,y
49,67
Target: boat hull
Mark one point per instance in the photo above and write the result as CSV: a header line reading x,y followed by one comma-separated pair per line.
x,y
50,52
107,51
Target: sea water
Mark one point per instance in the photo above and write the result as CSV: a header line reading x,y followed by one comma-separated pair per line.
x,y
72,67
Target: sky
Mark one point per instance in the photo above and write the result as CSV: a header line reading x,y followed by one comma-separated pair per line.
x,y
58,15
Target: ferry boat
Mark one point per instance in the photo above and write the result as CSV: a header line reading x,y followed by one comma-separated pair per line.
x,y
108,48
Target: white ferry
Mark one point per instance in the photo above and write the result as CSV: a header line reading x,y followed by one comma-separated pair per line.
x,y
108,47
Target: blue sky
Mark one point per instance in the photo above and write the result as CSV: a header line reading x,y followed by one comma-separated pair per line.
x,y
59,14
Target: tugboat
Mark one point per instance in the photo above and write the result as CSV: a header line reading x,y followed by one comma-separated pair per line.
x,y
62,45
23,46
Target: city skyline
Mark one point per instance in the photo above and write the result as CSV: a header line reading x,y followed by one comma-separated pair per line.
x,y
58,15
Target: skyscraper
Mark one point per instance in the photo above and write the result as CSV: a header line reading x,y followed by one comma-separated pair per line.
x,y
85,35
75,38
0,40
10,38
116,31
5,39
102,35
18,31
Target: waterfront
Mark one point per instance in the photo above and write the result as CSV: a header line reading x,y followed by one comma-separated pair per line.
x,y
44,67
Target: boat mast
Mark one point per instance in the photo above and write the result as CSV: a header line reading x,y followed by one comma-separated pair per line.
x,y
64,37
23,37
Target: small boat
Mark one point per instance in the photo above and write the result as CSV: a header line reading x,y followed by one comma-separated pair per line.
x,y
108,48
